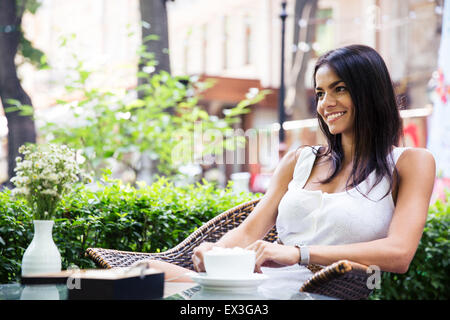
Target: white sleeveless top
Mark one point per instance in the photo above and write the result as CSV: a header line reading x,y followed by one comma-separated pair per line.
x,y
321,218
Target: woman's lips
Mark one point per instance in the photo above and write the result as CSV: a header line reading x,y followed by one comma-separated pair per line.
x,y
334,116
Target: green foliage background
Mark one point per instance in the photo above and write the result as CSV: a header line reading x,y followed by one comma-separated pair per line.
x,y
157,217
149,219
26,50
161,119
428,276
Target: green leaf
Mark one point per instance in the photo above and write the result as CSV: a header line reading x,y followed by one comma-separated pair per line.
x,y
151,37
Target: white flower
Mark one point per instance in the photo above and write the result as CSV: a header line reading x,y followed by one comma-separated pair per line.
x,y
44,174
252,92
53,176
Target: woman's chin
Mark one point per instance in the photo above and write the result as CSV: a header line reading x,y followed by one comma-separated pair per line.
x,y
333,130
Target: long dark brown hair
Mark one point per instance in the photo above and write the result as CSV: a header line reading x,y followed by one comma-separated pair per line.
x,y
377,127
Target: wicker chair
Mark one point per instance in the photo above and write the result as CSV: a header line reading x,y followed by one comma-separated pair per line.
x,y
343,279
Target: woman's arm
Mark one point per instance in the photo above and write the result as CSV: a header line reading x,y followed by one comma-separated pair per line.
x,y
263,216
416,174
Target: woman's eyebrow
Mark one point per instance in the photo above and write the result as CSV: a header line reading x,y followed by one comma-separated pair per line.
x,y
332,85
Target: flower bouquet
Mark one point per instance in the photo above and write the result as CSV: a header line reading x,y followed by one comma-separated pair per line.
x,y
43,176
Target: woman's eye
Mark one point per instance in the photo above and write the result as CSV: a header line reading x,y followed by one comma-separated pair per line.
x,y
319,94
341,89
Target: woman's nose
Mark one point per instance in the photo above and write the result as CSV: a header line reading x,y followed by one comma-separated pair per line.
x,y
329,100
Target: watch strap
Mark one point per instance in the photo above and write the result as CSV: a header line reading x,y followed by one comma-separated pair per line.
x,y
304,254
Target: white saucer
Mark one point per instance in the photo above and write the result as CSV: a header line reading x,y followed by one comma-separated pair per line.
x,y
215,283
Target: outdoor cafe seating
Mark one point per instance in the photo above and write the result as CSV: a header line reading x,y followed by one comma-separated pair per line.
x,y
342,280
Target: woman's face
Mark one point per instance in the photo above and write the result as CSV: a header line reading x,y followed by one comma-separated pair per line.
x,y
334,103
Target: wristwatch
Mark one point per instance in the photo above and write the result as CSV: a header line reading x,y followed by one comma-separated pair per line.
x,y
304,254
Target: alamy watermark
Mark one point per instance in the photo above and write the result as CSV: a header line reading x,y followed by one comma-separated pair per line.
x,y
231,146
74,281
374,280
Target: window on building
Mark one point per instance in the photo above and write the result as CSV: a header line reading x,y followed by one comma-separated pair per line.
x,y
324,31
225,41
186,44
185,55
204,47
248,40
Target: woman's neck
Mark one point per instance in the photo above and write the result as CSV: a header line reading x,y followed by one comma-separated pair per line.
x,y
348,148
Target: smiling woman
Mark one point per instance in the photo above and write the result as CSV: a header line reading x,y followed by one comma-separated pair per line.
x,y
360,197
334,103
356,82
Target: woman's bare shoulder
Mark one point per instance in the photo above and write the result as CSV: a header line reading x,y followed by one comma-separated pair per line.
x,y
416,161
289,160
315,149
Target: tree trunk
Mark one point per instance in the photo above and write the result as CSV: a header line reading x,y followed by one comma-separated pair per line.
x,y
21,129
154,17
154,22
297,98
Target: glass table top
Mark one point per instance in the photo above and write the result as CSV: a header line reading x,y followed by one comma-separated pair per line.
x,y
172,291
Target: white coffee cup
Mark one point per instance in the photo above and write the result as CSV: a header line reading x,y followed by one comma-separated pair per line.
x,y
233,263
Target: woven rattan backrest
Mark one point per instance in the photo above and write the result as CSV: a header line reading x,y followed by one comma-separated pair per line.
x,y
213,230
181,254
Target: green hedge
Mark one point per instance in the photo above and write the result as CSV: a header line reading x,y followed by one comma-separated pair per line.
x,y
150,219
157,217
428,276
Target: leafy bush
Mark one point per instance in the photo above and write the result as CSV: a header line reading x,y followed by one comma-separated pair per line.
x,y
150,218
428,276
160,122
157,217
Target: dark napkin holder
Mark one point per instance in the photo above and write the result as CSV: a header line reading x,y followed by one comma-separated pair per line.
x,y
109,284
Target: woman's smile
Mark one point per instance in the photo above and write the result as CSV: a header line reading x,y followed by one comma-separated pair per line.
x,y
331,117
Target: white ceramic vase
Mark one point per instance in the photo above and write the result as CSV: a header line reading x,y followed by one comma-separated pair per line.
x,y
42,255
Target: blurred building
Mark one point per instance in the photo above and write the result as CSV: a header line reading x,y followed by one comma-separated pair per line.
x,y
104,34
238,44
238,39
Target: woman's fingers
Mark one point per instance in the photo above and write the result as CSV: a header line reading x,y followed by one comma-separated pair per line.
x,y
272,254
198,263
261,253
197,260
198,255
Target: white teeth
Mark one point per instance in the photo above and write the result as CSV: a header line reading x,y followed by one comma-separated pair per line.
x,y
334,115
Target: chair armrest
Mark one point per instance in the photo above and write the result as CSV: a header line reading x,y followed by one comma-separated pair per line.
x,y
343,280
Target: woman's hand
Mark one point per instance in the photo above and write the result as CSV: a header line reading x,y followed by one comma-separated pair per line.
x,y
198,255
273,255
